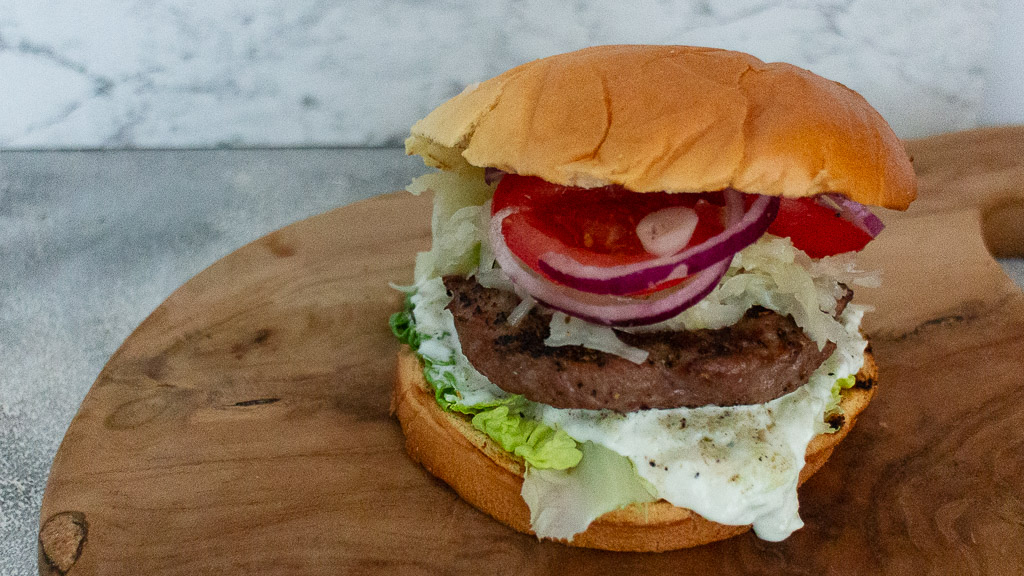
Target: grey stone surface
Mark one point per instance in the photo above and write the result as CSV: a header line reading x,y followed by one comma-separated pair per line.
x,y
1014,268
91,242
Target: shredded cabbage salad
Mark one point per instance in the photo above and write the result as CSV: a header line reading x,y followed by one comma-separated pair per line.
x,y
735,465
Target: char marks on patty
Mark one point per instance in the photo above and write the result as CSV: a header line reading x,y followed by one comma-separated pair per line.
x,y
762,357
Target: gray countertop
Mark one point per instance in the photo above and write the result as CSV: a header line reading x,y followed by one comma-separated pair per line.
x,y
92,242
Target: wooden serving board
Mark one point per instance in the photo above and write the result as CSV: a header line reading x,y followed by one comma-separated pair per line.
x,y
244,429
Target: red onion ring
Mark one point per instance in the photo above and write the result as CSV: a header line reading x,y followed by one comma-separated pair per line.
x,y
492,175
602,309
743,228
853,212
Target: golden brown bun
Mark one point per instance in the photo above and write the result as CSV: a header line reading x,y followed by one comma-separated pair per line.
x,y
672,118
491,479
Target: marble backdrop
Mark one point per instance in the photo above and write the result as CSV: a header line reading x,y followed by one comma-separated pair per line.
x,y
183,73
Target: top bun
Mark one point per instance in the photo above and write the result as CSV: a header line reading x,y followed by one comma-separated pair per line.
x,y
675,119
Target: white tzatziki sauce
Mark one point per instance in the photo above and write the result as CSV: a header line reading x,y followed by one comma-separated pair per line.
x,y
736,465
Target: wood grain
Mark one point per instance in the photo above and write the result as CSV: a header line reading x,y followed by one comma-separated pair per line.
x,y
243,427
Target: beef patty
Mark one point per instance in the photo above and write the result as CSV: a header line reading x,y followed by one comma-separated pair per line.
x,y
762,357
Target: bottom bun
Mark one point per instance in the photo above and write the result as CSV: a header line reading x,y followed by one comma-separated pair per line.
x,y
491,479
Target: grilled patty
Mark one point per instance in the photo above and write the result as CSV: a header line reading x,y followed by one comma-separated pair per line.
x,y
762,357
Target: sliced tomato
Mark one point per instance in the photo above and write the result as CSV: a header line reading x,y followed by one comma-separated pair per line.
x,y
595,226
817,229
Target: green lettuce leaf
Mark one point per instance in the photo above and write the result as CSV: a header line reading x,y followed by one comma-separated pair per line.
x,y
564,502
458,222
404,327
540,445
837,392
502,420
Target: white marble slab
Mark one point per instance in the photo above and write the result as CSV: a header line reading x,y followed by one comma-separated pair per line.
x,y
180,73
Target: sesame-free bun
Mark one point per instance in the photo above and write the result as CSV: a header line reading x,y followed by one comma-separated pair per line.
x,y
672,118
491,479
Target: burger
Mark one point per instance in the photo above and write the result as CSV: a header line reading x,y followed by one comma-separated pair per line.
x,y
633,329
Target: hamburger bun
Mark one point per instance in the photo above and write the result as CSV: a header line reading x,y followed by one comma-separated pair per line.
x,y
672,118
491,479
649,119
